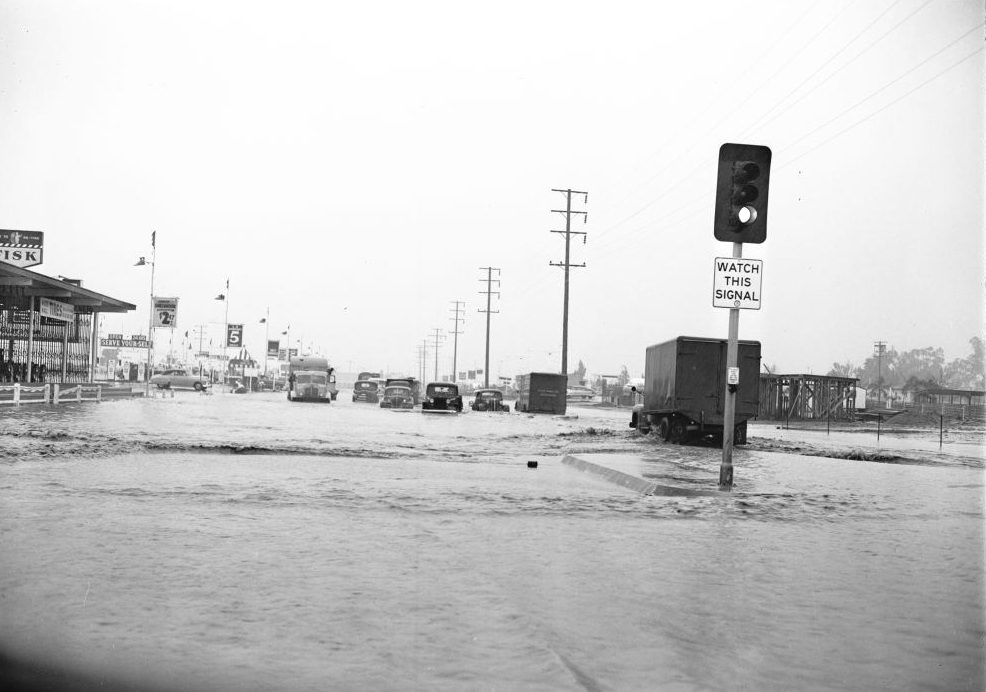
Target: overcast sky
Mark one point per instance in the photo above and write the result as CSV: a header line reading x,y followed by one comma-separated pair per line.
x,y
350,167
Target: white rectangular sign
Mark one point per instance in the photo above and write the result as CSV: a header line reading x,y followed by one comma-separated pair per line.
x,y
165,312
56,310
736,283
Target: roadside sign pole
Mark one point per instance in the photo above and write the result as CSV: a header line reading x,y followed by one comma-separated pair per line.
x,y
150,323
742,183
729,410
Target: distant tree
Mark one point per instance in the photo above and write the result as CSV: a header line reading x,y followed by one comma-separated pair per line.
x,y
916,384
580,372
846,369
968,372
977,363
882,371
922,364
624,378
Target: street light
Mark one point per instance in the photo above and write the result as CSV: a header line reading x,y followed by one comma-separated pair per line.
x,y
225,298
142,262
266,322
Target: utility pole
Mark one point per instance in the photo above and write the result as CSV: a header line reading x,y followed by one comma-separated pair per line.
x,y
422,356
200,330
567,211
266,322
489,295
455,340
879,349
437,337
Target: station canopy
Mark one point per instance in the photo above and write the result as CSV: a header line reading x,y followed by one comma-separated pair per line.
x,y
18,286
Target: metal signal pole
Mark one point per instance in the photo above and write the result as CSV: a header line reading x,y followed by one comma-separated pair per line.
x,y
729,407
567,211
489,295
455,339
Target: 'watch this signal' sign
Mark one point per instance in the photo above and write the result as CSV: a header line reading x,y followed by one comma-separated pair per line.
x,y
736,283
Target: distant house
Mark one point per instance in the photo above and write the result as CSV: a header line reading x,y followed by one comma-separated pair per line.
x,y
951,397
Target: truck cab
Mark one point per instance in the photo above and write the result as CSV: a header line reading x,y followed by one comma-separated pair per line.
x,y
311,378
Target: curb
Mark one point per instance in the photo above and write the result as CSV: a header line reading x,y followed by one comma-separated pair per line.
x,y
633,482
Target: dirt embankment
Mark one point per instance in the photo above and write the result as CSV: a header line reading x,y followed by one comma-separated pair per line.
x,y
915,418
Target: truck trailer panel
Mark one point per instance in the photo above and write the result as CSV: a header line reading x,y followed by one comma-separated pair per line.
x,y
542,392
685,382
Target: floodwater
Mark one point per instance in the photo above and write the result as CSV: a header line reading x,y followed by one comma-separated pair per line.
x,y
231,542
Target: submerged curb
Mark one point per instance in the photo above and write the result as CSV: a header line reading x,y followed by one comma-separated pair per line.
x,y
631,482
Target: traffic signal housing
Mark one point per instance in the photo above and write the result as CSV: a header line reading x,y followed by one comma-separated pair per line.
x,y
741,193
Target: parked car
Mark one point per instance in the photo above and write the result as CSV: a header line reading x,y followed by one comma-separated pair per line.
x,y
489,400
397,397
577,393
180,379
442,397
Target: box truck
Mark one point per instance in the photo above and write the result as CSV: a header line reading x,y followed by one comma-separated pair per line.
x,y
311,378
541,392
685,385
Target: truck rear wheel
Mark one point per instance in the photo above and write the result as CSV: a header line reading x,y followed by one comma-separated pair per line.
x,y
664,428
678,432
739,434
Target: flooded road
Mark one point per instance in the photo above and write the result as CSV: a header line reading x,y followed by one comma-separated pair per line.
x,y
245,543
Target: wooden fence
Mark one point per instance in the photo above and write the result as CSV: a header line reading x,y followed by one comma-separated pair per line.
x,y
17,394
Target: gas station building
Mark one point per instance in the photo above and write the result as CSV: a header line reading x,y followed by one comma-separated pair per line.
x,y
48,327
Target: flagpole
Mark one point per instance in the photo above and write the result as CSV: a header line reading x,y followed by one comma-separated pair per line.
x,y
266,340
226,339
150,322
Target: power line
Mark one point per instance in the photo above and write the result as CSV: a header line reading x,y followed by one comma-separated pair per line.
x,y
715,102
856,57
703,165
568,232
456,332
821,67
884,107
438,337
422,358
489,296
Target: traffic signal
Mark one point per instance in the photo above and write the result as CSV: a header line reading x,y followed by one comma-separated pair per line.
x,y
741,193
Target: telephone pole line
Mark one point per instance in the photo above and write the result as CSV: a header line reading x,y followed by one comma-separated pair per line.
x,y
879,350
567,211
437,336
456,332
422,356
489,295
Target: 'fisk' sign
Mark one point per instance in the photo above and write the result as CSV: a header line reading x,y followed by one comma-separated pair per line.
x,y
737,283
21,248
